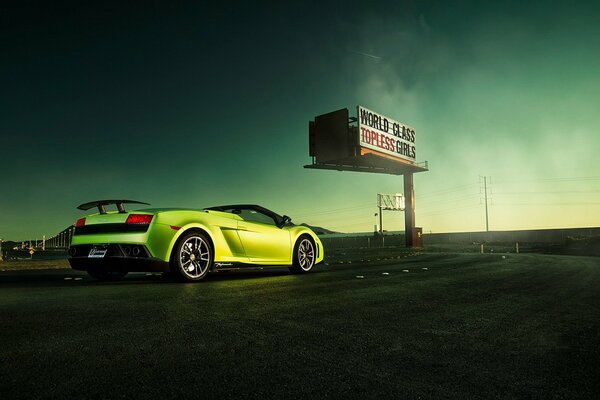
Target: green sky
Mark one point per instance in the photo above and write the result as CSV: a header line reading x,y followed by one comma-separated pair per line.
x,y
190,106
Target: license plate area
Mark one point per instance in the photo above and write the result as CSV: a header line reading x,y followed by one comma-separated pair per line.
x,y
98,252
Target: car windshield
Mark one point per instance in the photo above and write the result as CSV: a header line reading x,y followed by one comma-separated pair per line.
x,y
252,216
251,213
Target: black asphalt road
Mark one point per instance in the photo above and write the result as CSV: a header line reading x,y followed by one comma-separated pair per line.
x,y
429,326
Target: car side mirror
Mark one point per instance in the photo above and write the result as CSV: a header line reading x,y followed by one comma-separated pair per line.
x,y
284,221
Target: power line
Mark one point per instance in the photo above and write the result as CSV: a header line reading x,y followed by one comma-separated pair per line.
x,y
445,191
335,211
454,200
564,179
548,204
551,192
447,210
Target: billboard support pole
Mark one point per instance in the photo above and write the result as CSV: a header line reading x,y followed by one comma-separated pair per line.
x,y
381,221
409,212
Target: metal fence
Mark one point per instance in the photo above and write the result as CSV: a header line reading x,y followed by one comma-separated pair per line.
x,y
61,240
371,241
524,236
52,248
557,236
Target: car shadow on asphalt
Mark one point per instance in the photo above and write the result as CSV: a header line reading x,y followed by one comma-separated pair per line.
x,y
71,278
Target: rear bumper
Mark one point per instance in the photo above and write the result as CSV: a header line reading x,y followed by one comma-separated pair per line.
x,y
117,258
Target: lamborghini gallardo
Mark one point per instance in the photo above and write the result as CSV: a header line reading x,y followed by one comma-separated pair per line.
x,y
188,243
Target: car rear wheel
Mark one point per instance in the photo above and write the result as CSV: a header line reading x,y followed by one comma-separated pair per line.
x,y
304,255
192,257
107,275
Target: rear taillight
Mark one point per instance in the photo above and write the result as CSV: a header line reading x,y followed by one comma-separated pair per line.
x,y
80,222
139,219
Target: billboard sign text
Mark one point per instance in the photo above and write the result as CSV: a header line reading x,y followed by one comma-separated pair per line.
x,y
385,135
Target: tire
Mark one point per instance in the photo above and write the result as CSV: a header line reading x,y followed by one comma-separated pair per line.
x,y
192,257
111,276
304,255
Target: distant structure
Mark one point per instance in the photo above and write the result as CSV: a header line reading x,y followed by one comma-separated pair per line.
x,y
369,142
61,240
390,202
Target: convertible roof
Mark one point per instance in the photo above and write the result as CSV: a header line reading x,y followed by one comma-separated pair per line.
x,y
247,207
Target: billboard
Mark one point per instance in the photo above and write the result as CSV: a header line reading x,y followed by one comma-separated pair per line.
x,y
385,136
392,202
329,137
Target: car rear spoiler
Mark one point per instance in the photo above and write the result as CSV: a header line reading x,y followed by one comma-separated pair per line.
x,y
102,203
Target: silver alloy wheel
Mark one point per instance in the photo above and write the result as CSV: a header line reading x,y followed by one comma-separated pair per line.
x,y
194,256
306,254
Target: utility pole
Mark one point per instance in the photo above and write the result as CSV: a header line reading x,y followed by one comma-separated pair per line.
x,y
380,221
487,223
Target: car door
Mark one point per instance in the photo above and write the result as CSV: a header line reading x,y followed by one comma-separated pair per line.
x,y
263,241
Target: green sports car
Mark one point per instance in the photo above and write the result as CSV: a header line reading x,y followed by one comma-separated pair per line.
x,y
188,243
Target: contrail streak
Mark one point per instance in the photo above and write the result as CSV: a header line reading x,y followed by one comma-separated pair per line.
x,y
365,54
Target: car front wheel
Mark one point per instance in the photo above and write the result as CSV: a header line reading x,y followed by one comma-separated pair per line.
x,y
304,255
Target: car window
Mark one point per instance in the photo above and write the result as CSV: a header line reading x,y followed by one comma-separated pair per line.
x,y
254,216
